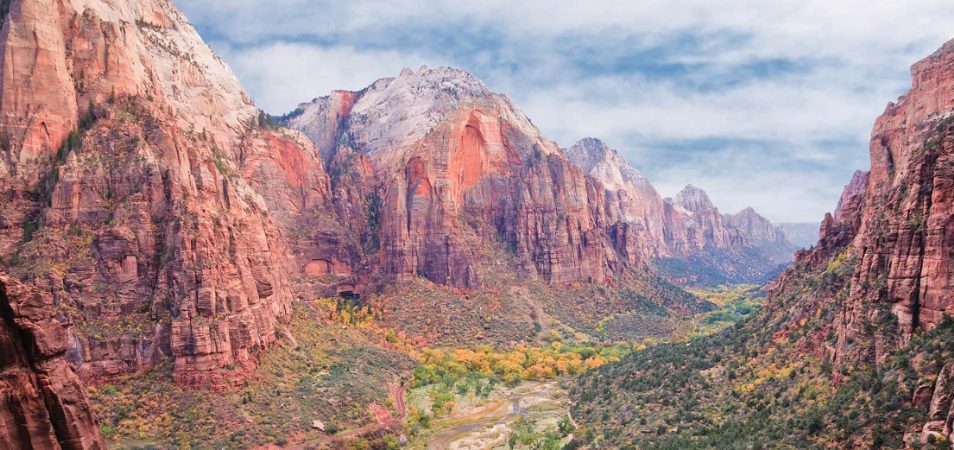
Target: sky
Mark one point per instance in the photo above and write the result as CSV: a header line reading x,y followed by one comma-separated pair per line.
x,y
766,104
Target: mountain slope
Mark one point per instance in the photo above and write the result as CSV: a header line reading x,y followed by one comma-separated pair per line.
x,y
455,169
852,347
140,185
688,238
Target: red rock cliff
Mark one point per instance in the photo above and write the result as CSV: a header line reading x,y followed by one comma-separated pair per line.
x,y
902,212
42,402
458,173
897,223
142,190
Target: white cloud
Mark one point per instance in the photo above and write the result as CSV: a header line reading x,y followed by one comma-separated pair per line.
x,y
568,64
281,75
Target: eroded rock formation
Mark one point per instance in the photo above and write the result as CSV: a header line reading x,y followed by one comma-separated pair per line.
x,y
144,191
458,175
896,223
43,404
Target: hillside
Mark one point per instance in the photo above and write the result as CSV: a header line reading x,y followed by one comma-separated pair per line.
x,y
851,349
181,269
687,239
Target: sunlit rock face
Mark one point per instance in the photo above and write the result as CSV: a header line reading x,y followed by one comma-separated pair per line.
x,y
43,405
141,189
458,171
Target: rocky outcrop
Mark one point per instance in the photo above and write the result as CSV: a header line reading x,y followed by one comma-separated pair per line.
x,y
43,405
762,234
688,234
895,222
148,194
635,213
706,226
456,172
901,212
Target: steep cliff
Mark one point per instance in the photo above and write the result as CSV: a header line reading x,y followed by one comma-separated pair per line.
x,y
455,170
143,189
852,348
43,403
762,234
635,213
688,237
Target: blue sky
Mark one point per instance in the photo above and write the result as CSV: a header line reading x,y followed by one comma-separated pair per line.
x,y
763,104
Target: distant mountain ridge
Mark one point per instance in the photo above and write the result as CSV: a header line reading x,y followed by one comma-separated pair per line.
x,y
864,320
687,237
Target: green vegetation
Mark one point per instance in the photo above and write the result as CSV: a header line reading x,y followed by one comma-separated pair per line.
x,y
327,373
736,303
475,370
755,386
373,216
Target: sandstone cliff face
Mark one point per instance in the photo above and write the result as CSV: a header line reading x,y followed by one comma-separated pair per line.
x,y
896,223
635,212
142,190
43,405
456,172
901,212
687,234
705,226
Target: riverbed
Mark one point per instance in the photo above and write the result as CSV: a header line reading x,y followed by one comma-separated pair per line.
x,y
485,423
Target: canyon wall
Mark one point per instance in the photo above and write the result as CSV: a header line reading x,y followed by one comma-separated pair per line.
x,y
43,404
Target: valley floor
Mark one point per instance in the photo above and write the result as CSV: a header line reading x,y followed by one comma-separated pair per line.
x,y
341,379
534,409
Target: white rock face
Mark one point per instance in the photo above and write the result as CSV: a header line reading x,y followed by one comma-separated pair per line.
x,y
60,56
604,163
201,88
631,198
390,116
693,199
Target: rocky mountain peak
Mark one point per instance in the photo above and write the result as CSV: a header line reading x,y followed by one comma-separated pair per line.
x,y
760,231
597,159
851,196
387,119
694,199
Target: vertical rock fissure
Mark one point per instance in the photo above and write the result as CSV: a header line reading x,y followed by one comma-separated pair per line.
x,y
930,160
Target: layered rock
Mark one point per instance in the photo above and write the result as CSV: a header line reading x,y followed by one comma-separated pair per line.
x,y
688,234
147,193
706,226
901,211
762,234
457,171
896,223
43,405
634,209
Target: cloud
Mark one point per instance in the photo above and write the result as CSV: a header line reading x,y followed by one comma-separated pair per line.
x,y
280,75
767,104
